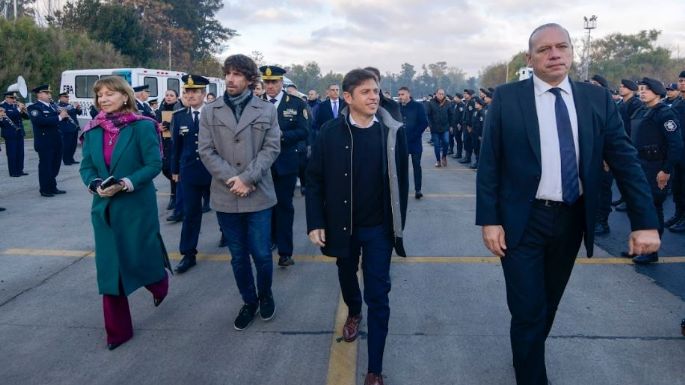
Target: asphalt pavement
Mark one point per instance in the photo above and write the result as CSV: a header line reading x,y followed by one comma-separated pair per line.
x,y
617,323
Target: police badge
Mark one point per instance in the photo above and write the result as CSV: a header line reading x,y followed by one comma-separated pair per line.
x,y
670,126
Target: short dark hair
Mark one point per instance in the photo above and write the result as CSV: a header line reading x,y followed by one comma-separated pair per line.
x,y
545,26
355,78
212,94
404,88
374,71
243,64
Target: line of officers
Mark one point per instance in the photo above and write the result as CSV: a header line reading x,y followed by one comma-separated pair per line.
x,y
294,119
55,132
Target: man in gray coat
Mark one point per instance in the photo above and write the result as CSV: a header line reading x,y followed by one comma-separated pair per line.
x,y
239,140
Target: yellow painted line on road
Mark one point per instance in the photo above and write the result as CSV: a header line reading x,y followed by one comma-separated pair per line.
x,y
222,257
342,362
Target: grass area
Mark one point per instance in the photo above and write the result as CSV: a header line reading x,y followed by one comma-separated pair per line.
x,y
28,128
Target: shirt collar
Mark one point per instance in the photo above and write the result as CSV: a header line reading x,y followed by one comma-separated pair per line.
x,y
541,86
278,97
352,122
46,103
196,109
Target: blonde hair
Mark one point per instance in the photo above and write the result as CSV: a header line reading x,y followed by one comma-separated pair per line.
x,y
116,84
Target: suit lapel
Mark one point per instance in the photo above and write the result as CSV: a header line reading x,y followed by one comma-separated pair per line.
x,y
530,115
122,142
585,131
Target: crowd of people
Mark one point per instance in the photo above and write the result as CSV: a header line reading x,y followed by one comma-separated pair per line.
x,y
547,151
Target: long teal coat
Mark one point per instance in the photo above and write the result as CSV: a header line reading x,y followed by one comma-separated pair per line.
x,y
128,245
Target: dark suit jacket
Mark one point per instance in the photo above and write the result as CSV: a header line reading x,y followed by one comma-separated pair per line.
x,y
324,113
185,156
509,167
293,122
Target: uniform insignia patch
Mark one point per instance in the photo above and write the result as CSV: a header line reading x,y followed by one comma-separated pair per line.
x,y
289,113
670,126
481,118
34,113
184,130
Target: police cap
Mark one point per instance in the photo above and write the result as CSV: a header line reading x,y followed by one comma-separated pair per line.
x,y
487,92
600,79
653,85
469,91
682,74
144,87
41,88
64,94
672,87
458,95
194,81
479,101
272,72
629,84
10,94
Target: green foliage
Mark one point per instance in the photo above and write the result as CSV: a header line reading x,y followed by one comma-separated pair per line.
x,y
41,54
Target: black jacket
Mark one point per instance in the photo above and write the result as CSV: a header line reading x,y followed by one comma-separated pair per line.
x,y
329,182
440,115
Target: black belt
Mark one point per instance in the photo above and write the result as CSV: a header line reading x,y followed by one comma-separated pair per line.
x,y
549,203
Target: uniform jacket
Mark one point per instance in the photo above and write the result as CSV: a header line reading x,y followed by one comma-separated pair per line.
x,y
415,123
458,116
509,168
329,182
627,110
45,122
468,113
440,115
14,128
66,125
145,109
185,156
293,121
246,149
128,244
657,136
478,121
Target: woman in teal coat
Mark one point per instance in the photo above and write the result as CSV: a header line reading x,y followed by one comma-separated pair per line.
x,y
129,251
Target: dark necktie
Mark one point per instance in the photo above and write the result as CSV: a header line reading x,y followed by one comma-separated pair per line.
x,y
196,118
273,101
569,167
335,109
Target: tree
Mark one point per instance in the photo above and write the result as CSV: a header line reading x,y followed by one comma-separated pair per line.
x,y
306,77
493,75
406,75
25,8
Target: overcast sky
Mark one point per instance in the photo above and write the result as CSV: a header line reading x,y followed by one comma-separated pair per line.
x,y
470,34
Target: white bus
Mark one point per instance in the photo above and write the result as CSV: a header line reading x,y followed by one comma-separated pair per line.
x,y
79,84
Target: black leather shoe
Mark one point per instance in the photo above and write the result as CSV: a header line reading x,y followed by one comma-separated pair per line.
x,y
186,263
113,346
624,254
622,207
645,259
58,191
206,209
602,228
418,195
285,261
674,219
679,227
157,301
47,195
23,173
171,204
174,218
464,161
2,209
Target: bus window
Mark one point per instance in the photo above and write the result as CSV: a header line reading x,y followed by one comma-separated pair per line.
x,y
212,88
126,74
152,82
84,86
173,84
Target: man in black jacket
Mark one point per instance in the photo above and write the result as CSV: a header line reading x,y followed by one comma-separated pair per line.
x,y
357,183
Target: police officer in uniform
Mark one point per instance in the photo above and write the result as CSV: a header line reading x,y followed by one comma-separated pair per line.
x,y
45,119
676,223
186,167
13,133
142,93
477,123
69,128
656,134
627,107
466,125
293,119
458,115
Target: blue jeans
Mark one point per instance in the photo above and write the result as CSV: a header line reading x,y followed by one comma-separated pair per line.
x,y
375,243
440,143
249,234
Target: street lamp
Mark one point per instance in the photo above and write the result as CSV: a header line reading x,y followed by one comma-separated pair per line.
x,y
589,25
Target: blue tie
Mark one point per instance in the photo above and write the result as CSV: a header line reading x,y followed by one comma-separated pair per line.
x,y
335,109
196,119
569,167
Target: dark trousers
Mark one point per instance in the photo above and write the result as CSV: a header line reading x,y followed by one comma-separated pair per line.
x,y
416,164
302,171
678,187
450,141
69,140
15,156
178,198
375,245
475,144
49,162
249,234
459,138
205,196
536,272
468,145
604,204
440,144
284,213
192,219
118,324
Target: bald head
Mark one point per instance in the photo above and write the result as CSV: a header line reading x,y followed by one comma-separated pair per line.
x,y
539,29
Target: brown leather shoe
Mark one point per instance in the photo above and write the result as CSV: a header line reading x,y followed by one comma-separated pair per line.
x,y
373,379
351,328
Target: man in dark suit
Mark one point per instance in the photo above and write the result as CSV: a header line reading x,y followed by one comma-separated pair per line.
x,y
293,121
187,168
538,184
327,110
47,141
142,94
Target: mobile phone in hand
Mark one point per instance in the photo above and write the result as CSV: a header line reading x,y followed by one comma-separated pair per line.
x,y
110,181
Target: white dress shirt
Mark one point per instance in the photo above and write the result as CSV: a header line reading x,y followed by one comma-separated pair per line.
x,y
550,187
278,98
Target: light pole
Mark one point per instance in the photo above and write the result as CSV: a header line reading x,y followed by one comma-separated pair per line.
x,y
589,25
